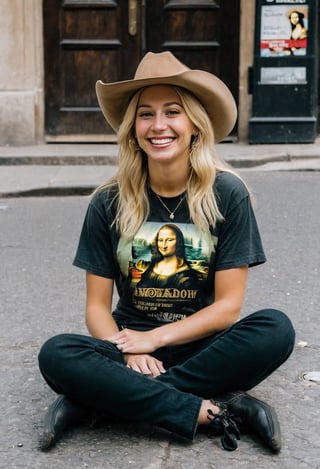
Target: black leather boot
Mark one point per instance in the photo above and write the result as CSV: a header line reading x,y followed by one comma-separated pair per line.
x,y
225,425
62,413
256,415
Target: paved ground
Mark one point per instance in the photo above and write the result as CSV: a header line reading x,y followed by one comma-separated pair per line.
x,y
73,168
42,294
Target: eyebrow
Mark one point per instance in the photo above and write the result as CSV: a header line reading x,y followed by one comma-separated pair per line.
x,y
170,103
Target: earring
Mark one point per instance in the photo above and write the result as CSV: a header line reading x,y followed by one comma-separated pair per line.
x,y
134,144
194,145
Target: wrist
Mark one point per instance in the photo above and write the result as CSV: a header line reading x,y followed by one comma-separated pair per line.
x,y
159,337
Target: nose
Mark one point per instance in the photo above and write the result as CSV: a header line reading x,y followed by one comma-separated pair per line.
x,y
159,122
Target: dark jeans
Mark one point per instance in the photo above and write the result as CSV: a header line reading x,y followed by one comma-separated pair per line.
x,y
92,372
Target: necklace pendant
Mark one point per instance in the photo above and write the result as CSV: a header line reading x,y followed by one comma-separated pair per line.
x,y
171,213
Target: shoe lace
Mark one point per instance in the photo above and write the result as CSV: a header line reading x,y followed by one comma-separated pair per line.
x,y
226,425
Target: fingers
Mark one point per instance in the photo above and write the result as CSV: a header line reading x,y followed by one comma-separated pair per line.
x,y
156,368
122,346
145,364
130,341
140,368
120,338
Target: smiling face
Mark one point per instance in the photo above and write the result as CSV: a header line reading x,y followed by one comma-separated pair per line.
x,y
167,242
294,18
162,127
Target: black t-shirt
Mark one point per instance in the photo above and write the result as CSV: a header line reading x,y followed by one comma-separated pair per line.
x,y
166,272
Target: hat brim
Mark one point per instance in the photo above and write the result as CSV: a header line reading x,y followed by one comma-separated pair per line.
x,y
212,93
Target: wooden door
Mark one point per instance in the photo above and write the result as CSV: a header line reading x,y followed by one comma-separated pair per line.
x,y
105,39
202,34
84,41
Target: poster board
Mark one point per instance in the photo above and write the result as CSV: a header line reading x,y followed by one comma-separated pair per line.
x,y
283,76
284,29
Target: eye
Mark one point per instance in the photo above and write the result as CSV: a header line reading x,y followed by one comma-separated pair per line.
x,y
145,114
173,112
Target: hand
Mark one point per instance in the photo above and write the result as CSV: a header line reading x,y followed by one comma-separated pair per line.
x,y
137,342
145,364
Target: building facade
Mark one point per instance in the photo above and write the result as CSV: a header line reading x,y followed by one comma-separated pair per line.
x,y
53,52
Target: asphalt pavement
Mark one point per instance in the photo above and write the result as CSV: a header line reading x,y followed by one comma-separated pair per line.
x,y
42,294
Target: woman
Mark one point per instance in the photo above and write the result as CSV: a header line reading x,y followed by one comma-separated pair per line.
x,y
178,374
168,263
298,31
169,270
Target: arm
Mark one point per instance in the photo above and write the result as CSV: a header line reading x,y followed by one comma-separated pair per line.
x,y
101,324
230,286
99,320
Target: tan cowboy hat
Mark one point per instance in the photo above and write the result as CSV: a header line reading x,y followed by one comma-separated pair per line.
x,y
165,69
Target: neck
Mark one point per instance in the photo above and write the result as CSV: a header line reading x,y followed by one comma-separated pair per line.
x,y
168,183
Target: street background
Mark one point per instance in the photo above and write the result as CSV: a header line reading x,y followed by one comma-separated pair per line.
x,y
42,295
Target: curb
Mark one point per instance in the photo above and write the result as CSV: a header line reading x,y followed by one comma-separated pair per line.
x,y
58,160
112,160
70,170
55,191
237,155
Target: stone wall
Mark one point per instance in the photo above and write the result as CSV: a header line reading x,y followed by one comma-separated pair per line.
x,y
21,73
246,51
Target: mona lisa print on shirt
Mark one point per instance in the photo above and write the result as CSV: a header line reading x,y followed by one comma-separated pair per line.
x,y
168,269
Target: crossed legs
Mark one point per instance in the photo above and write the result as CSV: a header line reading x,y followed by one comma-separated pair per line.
x,y
92,374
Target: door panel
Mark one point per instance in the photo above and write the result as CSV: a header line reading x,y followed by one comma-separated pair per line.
x,y
203,35
84,41
105,39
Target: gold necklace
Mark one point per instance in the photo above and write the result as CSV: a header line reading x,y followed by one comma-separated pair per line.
x,y
171,213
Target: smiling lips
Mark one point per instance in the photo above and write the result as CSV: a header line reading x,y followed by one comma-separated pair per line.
x,y
161,141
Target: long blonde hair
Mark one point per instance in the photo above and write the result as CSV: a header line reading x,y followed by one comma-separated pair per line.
x,y
131,178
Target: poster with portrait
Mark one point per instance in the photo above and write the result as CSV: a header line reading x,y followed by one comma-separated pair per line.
x,y
284,30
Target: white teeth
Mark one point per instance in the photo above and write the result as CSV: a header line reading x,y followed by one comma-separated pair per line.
x,y
160,141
